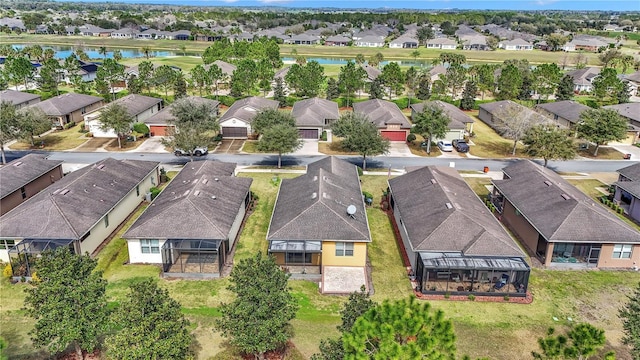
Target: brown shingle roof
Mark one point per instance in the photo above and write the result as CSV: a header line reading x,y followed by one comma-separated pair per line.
x,y
458,118
164,116
187,209
441,213
382,113
558,210
17,97
66,104
567,109
314,206
247,108
314,111
24,170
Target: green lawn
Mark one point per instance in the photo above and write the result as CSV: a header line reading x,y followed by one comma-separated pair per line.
x,y
497,330
488,144
186,63
57,140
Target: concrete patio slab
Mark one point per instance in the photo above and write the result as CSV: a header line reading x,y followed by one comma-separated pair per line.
x,y
342,279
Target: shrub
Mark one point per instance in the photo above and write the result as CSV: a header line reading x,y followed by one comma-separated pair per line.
x,y
411,138
226,100
323,137
7,272
447,295
359,171
69,125
141,128
506,298
154,192
472,297
255,196
218,138
620,210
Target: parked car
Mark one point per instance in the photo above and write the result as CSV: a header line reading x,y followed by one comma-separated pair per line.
x,y
445,145
460,145
199,151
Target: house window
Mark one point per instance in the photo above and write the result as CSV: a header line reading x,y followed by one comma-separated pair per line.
x,y
622,251
298,258
106,220
344,249
150,246
23,192
137,190
6,244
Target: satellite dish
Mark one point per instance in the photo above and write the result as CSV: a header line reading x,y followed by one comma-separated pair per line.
x,y
351,209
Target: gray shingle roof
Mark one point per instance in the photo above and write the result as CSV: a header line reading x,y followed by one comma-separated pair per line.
x,y
247,108
314,111
22,171
458,118
186,208
629,110
372,72
503,108
66,103
136,104
70,207
441,213
164,116
382,112
314,206
226,67
631,172
567,109
17,97
558,210
584,76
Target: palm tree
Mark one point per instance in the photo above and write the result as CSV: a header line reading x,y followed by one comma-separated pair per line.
x,y
117,55
183,48
103,51
146,50
415,54
82,55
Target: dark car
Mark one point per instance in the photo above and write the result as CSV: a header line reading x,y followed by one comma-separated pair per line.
x,y
460,145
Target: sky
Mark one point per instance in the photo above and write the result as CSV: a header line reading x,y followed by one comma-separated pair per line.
x,y
615,5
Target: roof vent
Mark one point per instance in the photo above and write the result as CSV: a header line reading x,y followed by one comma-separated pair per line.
x,y
351,210
57,191
87,191
204,181
565,196
18,163
101,166
195,181
213,197
433,181
216,179
449,206
196,193
315,178
314,195
186,193
547,182
64,192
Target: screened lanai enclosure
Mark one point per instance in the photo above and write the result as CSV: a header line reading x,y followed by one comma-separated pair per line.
x,y
193,258
23,256
297,256
443,273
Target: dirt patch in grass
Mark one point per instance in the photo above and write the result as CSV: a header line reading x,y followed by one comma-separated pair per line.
x,y
333,148
94,144
57,140
604,153
126,145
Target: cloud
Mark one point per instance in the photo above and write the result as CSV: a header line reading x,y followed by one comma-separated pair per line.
x,y
274,1
544,2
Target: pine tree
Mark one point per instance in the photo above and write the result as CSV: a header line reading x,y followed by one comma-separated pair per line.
x,y
565,88
333,92
376,91
278,92
179,87
469,96
630,316
424,88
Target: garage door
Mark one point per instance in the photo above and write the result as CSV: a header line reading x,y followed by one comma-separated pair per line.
x,y
394,135
158,130
234,132
308,133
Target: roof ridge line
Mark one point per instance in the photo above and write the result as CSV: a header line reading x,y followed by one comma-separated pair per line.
x,y
55,204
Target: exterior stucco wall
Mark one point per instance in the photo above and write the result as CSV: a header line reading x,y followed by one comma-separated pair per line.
x,y
137,257
519,225
606,259
359,257
15,198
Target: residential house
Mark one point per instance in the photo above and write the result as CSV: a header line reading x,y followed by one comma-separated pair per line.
x,y
13,24
589,44
370,41
503,33
19,99
496,113
631,112
515,44
460,124
226,67
559,224
387,116
161,122
87,71
303,39
613,28
436,71
372,72
451,240
404,42
69,108
24,177
627,193
313,116
442,43
236,122
80,211
633,81
138,107
565,113
193,225
337,40
125,33
583,79
178,35
319,226
475,43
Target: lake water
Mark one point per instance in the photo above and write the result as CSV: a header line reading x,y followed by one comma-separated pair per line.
x,y
62,52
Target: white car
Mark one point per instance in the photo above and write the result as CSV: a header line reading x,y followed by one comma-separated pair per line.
x,y
445,145
199,151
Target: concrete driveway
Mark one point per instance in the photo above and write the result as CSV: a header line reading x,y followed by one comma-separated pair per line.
x,y
399,149
151,145
229,146
309,147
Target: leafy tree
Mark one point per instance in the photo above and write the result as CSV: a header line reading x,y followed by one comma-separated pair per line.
x,y
19,70
164,76
630,316
393,78
403,329
200,77
452,58
333,91
609,57
145,74
513,123
411,81
265,74
110,73
330,349
50,76
281,138
193,121
268,118
307,79
601,126
3,348
469,96
278,92
351,78
258,319
68,302
9,127
454,78
448,28
549,143
526,88
117,55
580,343
151,325
31,121
431,122
215,75
375,59
425,33
545,79
179,86
415,54
244,78
424,87
556,41
552,347
565,88
622,93
360,59
115,117
485,78
102,50
360,135
376,89
133,85
509,83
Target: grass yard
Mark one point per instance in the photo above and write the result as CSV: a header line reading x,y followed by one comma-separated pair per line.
x,y
56,140
604,153
186,63
333,148
508,331
488,144
478,184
